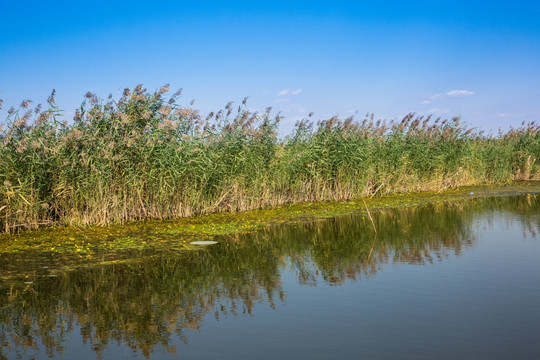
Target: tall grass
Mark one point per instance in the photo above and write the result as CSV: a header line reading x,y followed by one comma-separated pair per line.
x,y
146,156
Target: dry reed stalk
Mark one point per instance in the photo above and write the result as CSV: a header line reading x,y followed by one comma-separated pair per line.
x,y
370,218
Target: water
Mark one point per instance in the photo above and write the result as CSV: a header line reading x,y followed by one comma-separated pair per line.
x,y
445,281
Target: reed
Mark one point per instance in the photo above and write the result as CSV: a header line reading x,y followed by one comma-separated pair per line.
x,y
146,156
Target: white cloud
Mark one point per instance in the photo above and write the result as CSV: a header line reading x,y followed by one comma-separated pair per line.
x,y
459,93
431,99
289,92
284,92
450,94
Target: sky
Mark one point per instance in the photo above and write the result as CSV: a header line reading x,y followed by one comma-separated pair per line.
x,y
474,59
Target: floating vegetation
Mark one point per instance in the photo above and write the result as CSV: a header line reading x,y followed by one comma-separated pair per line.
x,y
53,250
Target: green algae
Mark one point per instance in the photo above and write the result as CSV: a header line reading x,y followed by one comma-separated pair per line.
x,y
65,248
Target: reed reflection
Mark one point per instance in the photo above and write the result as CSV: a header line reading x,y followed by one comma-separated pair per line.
x,y
147,303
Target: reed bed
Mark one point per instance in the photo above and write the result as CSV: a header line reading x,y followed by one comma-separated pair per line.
x,y
146,156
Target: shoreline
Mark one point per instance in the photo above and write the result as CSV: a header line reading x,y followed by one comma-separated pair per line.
x,y
86,243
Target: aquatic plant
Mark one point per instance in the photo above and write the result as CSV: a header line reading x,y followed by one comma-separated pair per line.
x,y
146,156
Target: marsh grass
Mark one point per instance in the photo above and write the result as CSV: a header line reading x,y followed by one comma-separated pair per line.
x,y
146,156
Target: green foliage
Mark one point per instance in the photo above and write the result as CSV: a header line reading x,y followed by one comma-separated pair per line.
x,y
145,156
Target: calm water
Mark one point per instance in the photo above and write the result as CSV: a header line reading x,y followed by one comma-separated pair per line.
x,y
446,281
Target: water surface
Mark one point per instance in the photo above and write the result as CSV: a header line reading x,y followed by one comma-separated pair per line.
x,y
448,280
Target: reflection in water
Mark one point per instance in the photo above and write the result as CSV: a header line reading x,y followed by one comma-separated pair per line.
x,y
144,304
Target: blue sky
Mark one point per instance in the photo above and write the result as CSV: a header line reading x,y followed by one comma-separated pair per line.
x,y
475,59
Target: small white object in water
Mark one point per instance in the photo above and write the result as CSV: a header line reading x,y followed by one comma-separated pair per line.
x,y
471,193
207,242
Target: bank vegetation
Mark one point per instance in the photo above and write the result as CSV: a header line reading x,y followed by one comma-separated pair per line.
x,y
147,156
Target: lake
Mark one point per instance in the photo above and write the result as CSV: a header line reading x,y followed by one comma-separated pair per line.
x,y
447,280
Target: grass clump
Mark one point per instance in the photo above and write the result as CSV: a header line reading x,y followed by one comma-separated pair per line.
x,y
146,156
